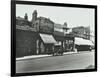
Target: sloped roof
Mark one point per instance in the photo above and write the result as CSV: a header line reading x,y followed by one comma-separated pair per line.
x,y
26,27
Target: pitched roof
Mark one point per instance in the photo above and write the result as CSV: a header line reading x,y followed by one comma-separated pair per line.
x,y
26,27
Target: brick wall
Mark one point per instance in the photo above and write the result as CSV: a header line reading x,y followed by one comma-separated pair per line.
x,y
25,42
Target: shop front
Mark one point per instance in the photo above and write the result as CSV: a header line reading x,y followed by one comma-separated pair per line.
x,y
45,44
64,42
69,44
83,44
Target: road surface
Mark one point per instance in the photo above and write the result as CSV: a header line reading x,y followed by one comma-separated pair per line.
x,y
66,62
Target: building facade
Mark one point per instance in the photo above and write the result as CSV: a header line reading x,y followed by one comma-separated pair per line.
x,y
26,38
82,37
65,39
83,32
41,36
35,36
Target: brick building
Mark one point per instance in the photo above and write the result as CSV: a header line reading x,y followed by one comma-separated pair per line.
x,y
40,36
65,39
82,38
81,31
35,36
25,40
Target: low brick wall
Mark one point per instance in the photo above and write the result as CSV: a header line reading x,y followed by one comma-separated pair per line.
x,y
25,42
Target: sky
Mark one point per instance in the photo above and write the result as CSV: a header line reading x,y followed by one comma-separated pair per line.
x,y
73,16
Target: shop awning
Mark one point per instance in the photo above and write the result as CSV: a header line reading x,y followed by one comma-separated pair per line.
x,y
49,39
81,41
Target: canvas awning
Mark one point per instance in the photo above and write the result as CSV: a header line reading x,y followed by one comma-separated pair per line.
x,y
81,41
49,39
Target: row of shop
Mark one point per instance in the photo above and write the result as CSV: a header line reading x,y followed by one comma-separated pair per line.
x,y
43,36
68,43
30,43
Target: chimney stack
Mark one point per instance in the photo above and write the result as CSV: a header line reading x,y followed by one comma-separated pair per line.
x,y
26,17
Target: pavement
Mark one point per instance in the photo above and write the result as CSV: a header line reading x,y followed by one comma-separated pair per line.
x,y
39,56
69,61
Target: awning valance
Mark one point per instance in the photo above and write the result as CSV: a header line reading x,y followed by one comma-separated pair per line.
x,y
81,41
47,38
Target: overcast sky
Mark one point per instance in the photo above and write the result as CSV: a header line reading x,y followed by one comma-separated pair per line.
x,y
73,16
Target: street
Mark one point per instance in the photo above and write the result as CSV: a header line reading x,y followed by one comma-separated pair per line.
x,y
53,63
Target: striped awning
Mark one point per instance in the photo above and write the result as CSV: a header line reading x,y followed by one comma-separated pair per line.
x,y
81,41
47,38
